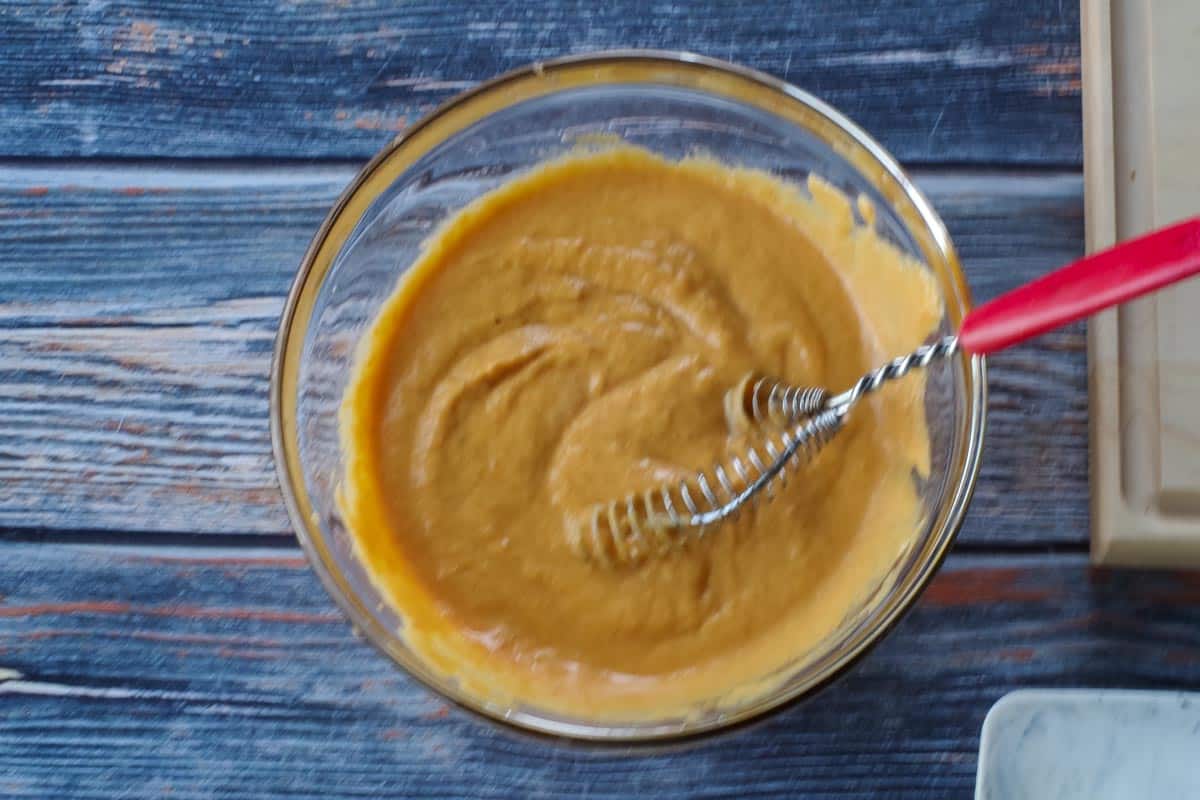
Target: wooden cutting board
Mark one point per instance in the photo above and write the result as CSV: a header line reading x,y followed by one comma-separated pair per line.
x,y
1141,88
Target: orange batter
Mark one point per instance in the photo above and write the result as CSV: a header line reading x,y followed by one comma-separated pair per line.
x,y
568,339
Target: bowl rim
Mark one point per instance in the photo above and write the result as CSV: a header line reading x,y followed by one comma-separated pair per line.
x,y
285,365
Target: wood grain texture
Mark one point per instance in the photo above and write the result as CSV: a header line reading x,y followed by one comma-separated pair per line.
x,y
138,309
978,81
227,673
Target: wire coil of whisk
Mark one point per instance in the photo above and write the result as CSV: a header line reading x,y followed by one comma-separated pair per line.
x,y
630,530
766,399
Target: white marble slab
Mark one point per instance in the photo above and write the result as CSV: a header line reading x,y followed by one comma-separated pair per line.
x,y
1090,745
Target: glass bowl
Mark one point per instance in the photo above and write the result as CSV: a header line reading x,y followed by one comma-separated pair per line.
x,y
674,104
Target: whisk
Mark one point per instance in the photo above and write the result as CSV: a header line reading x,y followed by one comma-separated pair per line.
x,y
630,530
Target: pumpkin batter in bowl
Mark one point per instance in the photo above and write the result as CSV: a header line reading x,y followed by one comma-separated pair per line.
x,y
568,339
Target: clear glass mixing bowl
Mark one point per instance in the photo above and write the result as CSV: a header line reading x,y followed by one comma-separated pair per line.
x,y
671,103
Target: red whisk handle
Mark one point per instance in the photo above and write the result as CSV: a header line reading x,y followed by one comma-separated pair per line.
x,y
1084,287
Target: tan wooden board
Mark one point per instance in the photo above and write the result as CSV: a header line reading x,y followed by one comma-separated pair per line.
x,y
1141,88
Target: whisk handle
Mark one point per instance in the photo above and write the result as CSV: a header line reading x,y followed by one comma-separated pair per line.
x,y
1082,288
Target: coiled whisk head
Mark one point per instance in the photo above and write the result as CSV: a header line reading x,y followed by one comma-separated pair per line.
x,y
630,530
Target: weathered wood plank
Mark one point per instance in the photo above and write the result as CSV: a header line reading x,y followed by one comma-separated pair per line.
x,y
979,81
1009,229
228,673
138,307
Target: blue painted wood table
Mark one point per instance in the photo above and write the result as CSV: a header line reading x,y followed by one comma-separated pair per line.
x,y
163,167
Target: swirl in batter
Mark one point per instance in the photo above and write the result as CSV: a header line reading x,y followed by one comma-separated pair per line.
x,y
568,339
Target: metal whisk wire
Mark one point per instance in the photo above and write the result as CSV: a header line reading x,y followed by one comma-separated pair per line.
x,y
630,530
